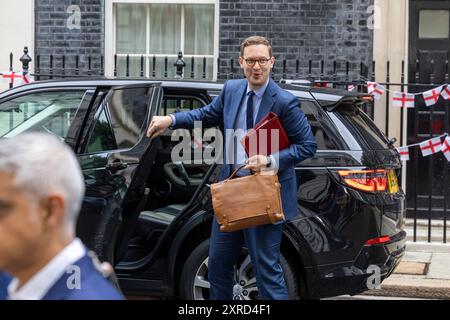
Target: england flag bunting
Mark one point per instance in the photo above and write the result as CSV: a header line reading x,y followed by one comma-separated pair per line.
x,y
12,77
375,89
431,96
446,92
446,148
431,146
404,153
16,78
403,100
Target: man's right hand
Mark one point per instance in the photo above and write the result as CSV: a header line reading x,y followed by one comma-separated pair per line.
x,y
158,125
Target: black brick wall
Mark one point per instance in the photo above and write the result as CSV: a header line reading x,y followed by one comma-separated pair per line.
x,y
53,37
299,29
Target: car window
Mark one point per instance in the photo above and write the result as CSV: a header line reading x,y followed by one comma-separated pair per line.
x,y
127,110
178,104
102,137
322,139
51,112
118,123
361,126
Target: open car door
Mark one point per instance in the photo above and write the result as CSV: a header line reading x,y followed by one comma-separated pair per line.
x,y
116,157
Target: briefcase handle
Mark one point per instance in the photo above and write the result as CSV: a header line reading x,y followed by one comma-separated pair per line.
x,y
235,172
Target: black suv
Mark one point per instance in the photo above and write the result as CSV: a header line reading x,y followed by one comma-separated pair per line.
x,y
151,217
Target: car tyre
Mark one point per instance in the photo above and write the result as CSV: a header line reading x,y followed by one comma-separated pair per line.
x,y
194,284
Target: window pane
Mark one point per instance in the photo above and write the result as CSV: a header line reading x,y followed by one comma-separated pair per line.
x,y
165,28
51,112
322,139
131,28
102,138
434,23
199,29
128,109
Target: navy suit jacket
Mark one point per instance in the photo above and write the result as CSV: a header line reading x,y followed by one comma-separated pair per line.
x,y
4,282
93,286
224,109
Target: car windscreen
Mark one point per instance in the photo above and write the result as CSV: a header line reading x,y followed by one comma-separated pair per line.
x,y
364,132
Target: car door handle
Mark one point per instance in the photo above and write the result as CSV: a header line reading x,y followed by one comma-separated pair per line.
x,y
116,166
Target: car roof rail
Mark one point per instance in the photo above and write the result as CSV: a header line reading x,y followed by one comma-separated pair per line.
x,y
297,82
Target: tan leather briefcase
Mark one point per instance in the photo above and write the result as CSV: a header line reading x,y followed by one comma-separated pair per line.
x,y
247,201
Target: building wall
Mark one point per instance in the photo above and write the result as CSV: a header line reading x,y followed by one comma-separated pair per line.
x,y
54,35
17,32
308,29
390,44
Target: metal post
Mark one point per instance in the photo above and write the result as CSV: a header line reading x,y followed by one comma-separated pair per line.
x,y
38,67
77,65
334,73
431,161
89,65
154,66
142,66
115,65
416,155
51,66
127,72
388,64
11,83
284,68
204,68
165,67
447,129
192,67
63,66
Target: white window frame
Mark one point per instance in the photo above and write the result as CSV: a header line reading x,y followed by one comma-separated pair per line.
x,y
110,36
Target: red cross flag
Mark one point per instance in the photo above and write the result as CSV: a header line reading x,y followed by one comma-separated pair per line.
x,y
11,77
375,89
404,153
446,92
403,100
446,148
431,96
431,146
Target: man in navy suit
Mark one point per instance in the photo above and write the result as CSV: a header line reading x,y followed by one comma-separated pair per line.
x,y
41,190
240,105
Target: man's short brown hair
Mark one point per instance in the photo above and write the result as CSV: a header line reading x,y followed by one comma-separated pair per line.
x,y
253,40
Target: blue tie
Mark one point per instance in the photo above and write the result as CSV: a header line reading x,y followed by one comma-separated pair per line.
x,y
250,95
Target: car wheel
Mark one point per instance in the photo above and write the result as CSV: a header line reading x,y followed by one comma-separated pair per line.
x,y
194,283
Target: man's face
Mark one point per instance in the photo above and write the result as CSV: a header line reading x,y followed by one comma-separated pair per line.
x,y
21,226
257,74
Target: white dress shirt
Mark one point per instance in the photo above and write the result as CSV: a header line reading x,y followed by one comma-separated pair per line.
x,y
38,286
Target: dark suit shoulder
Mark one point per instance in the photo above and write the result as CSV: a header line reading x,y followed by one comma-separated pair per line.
x,y
88,284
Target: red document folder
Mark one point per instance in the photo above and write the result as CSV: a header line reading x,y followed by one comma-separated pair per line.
x,y
259,139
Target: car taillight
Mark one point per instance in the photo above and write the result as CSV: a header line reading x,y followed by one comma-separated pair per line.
x,y
365,180
379,240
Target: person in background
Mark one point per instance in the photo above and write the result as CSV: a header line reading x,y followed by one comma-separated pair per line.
x,y
41,191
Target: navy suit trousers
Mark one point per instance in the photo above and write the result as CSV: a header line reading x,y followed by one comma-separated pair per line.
x,y
263,243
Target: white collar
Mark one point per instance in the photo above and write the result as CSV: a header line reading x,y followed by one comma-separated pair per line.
x,y
38,286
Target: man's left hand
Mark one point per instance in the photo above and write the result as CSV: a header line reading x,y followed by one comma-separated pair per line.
x,y
256,163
